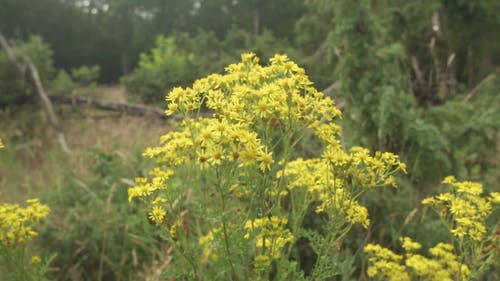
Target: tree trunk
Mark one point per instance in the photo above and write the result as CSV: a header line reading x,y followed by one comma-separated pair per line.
x,y
256,18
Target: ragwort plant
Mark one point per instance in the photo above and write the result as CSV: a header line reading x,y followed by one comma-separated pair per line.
x,y
16,230
231,189
473,249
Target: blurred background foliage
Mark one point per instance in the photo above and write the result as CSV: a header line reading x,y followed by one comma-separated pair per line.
x,y
418,78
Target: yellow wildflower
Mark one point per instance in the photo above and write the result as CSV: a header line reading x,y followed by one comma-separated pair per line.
x,y
449,180
464,209
271,236
209,248
409,245
16,223
385,264
495,197
442,266
157,214
265,159
35,260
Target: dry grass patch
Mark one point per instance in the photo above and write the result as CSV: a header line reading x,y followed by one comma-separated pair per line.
x,y
33,161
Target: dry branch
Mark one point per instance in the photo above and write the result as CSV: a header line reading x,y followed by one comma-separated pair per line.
x,y
473,92
339,103
418,72
330,89
21,64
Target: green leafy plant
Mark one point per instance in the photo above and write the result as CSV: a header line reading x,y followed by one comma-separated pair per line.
x,y
96,234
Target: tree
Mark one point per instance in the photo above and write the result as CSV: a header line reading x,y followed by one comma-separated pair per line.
x,y
379,61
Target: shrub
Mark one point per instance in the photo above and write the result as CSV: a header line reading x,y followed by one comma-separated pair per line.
x,y
178,59
62,84
166,65
86,75
83,78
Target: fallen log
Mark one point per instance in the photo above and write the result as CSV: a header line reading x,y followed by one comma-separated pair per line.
x,y
128,108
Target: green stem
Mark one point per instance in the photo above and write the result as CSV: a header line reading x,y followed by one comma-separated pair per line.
x,y
179,250
224,226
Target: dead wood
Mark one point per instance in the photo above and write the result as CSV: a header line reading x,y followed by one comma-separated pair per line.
x,y
127,108
473,92
23,62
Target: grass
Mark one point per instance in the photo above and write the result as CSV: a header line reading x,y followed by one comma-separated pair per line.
x,y
33,162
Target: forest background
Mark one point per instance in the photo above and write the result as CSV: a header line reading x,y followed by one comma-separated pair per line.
x,y
416,78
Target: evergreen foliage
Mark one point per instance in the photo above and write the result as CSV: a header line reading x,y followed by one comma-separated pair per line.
x,y
388,107
14,88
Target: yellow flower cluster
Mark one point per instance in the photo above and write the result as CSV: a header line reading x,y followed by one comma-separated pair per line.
x,y
464,211
211,142
464,208
250,104
280,94
271,235
443,266
157,214
35,260
385,263
338,178
144,188
246,99
16,223
208,243
1,144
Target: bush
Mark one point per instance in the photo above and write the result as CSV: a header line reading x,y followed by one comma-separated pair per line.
x,y
62,84
86,75
179,59
83,77
165,66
